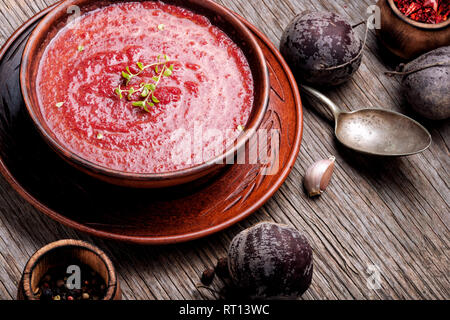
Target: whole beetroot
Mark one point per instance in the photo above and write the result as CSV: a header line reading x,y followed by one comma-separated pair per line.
x,y
426,84
270,261
321,48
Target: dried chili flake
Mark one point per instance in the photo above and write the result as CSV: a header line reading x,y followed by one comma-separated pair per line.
x,y
427,11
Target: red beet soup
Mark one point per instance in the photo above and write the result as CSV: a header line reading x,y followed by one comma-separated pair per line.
x,y
144,87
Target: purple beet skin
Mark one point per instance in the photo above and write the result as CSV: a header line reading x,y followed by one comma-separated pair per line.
x,y
271,261
320,47
427,89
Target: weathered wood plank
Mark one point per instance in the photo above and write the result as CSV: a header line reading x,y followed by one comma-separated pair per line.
x,y
392,213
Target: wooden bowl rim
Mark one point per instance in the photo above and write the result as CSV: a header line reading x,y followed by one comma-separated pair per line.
x,y
417,24
68,243
259,110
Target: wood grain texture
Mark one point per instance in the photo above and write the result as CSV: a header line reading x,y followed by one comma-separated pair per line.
x,y
391,213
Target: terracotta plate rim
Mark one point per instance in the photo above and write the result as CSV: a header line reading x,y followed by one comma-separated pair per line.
x,y
160,240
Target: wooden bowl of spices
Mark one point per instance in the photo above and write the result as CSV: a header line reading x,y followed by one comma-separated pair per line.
x,y
410,28
69,270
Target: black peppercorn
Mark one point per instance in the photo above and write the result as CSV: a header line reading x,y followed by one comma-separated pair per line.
x,y
60,283
222,268
208,277
47,294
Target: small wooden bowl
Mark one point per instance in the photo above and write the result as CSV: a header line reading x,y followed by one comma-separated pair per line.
x,y
406,37
219,16
63,251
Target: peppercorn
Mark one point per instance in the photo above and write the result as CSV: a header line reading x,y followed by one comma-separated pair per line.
x,y
76,293
47,294
57,291
222,268
60,283
208,277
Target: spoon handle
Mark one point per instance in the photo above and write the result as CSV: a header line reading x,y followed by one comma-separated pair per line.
x,y
323,98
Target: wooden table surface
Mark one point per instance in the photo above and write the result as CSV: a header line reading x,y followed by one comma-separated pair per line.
x,y
390,215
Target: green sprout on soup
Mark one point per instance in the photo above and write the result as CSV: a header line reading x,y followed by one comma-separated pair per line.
x,y
146,90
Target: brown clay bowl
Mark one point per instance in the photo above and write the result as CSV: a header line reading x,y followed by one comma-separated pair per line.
x,y
407,38
219,16
60,253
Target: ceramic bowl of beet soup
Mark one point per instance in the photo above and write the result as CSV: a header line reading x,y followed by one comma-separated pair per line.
x,y
144,94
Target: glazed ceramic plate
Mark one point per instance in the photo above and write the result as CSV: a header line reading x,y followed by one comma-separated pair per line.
x,y
142,216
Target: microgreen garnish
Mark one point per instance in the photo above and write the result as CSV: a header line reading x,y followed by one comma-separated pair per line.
x,y
100,136
80,48
146,89
118,91
161,27
59,104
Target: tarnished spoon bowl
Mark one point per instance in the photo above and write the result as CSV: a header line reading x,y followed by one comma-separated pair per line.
x,y
376,131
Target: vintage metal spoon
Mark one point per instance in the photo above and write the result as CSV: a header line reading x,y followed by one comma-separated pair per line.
x,y
376,131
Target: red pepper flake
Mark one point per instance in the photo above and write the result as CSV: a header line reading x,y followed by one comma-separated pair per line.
x,y
427,11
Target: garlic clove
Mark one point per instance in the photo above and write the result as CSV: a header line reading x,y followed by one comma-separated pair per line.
x,y
318,176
